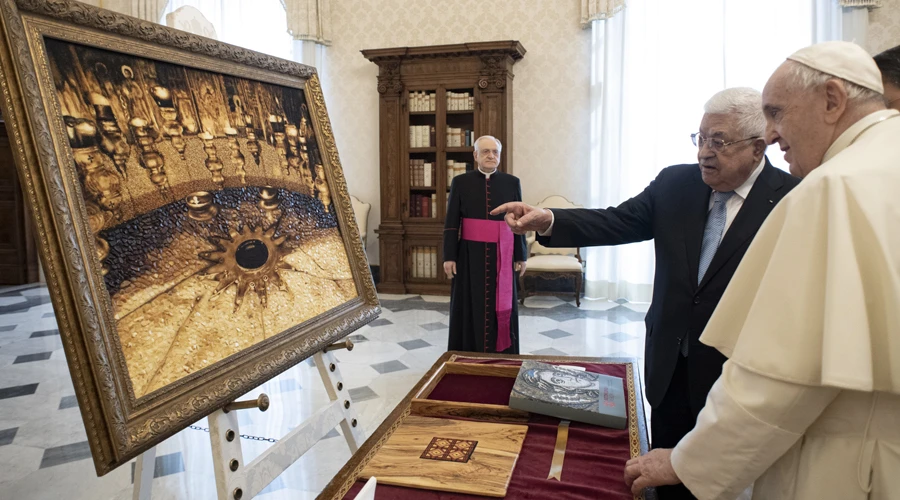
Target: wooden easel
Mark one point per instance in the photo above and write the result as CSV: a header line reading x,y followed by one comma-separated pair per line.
x,y
236,480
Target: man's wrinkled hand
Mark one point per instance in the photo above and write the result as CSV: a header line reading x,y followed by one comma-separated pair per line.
x,y
652,469
520,267
522,217
450,269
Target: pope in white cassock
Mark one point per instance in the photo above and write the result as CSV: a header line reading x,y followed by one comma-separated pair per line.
x,y
808,405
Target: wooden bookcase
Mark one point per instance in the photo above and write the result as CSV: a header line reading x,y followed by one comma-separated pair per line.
x,y
468,93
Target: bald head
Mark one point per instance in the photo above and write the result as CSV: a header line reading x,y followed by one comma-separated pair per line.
x,y
816,95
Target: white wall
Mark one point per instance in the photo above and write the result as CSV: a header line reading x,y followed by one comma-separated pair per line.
x,y
550,90
884,27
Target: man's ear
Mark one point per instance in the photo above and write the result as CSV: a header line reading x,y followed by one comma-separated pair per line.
x,y
835,100
759,148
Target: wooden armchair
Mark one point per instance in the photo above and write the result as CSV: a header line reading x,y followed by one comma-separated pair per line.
x,y
550,264
362,217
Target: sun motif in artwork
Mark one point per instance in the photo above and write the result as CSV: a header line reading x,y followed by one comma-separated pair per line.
x,y
250,259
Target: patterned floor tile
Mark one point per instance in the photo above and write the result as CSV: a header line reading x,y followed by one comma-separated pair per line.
x,y
381,322
49,315
16,391
434,326
356,339
7,436
550,352
620,337
44,333
59,455
409,345
556,334
389,367
68,402
28,358
7,328
361,394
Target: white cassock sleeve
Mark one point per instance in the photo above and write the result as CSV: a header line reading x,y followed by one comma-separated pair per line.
x,y
748,423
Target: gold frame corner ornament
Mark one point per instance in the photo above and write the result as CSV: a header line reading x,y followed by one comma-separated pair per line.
x,y
120,426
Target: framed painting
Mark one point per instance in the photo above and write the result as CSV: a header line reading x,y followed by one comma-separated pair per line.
x,y
192,214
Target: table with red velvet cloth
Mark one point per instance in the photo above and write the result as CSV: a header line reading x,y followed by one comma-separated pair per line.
x,y
594,457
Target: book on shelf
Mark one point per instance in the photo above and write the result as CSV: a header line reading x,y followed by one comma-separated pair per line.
x,y
455,168
460,101
458,137
421,101
421,174
421,205
433,205
420,263
421,136
569,394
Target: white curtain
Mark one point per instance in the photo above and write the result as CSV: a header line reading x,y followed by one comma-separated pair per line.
x,y
259,25
654,66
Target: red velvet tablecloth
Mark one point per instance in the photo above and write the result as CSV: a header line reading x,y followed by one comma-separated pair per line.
x,y
595,456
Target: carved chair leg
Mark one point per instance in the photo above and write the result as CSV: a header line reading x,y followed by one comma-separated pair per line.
x,y
522,293
578,283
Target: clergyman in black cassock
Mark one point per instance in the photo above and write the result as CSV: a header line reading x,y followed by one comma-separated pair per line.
x,y
478,322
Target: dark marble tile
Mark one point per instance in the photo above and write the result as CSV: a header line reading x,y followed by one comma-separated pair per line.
x,y
409,345
389,367
44,333
26,305
364,393
164,465
556,333
356,339
59,455
18,390
18,290
7,435
435,326
620,336
67,402
550,352
621,314
28,358
7,328
49,315
380,322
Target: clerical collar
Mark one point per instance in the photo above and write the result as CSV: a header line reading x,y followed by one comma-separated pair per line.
x,y
487,174
857,129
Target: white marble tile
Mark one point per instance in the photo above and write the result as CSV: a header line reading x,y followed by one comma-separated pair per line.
x,y
543,301
8,301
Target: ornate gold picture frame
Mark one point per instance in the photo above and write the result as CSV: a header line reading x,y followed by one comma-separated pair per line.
x,y
192,214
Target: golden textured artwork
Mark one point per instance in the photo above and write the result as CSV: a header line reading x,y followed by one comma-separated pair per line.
x,y
208,203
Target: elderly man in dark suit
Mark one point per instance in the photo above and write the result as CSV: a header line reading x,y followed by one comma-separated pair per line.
x,y
702,217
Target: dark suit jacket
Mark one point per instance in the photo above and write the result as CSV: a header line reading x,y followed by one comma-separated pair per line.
x,y
672,210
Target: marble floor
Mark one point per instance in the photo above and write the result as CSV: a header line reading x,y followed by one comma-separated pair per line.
x,y
43,449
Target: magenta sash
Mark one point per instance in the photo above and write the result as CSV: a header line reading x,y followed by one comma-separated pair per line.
x,y
496,231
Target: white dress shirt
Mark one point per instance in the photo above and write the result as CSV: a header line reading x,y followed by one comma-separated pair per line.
x,y
734,204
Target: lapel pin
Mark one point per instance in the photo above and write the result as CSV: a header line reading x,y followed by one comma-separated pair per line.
x,y
770,201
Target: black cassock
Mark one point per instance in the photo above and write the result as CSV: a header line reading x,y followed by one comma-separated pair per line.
x,y
473,293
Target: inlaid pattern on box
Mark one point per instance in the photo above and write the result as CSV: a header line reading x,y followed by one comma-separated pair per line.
x,y
449,450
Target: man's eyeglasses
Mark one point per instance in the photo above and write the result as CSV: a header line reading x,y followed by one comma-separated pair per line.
x,y
715,144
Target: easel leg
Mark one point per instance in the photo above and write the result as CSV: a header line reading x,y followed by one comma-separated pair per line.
x,y
143,474
334,385
228,458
